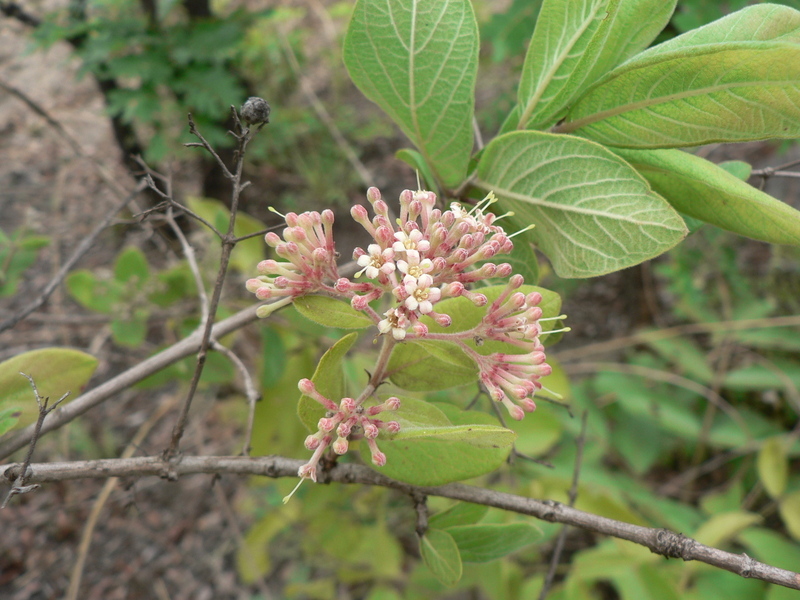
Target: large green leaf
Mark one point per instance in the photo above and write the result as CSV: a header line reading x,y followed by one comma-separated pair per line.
x,y
702,190
593,212
55,372
436,461
328,378
575,43
419,61
725,92
759,23
422,365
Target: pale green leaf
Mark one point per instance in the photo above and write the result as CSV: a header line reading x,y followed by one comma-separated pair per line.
x,y
759,23
789,508
562,35
131,265
705,191
55,371
771,547
478,435
331,312
440,553
726,92
428,366
737,168
773,465
594,214
721,528
328,378
462,513
575,43
418,61
482,543
416,161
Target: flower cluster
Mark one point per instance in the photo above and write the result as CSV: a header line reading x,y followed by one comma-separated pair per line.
x,y
417,259
348,419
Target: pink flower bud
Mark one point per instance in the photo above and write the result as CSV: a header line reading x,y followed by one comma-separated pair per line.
x,y
371,431
392,426
263,293
325,424
272,239
504,270
340,446
442,319
378,459
347,405
373,195
312,442
392,403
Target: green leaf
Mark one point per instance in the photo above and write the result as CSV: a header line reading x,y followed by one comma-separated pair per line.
x,y
594,214
428,366
253,560
555,63
418,61
773,466
131,265
705,191
440,554
331,312
759,23
482,543
328,378
94,294
737,168
436,462
461,513
481,436
273,357
131,330
726,92
789,508
523,260
771,547
721,528
575,43
55,372
9,417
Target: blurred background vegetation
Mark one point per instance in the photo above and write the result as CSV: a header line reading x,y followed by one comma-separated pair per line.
x,y
692,425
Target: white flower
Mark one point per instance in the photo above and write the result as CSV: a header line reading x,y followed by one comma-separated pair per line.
x,y
421,295
396,322
376,261
410,241
414,267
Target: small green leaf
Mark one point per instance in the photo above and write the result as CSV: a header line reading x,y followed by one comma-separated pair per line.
x,y
130,331
721,528
789,508
253,560
55,372
273,357
705,191
329,381
482,543
593,212
418,61
331,312
773,466
92,293
440,553
131,265
461,513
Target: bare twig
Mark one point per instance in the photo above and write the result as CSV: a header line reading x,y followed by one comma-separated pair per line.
x,y
659,541
79,252
573,496
253,396
243,135
421,508
18,486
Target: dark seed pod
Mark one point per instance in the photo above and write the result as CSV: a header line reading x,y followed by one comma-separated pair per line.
x,y
255,111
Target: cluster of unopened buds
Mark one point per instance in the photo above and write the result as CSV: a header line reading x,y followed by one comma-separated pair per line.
x,y
418,259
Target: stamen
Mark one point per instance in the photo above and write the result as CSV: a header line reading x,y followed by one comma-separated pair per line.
x,y
528,228
488,200
562,330
273,209
553,318
289,497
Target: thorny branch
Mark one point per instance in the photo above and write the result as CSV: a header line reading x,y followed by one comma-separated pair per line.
x,y
659,541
